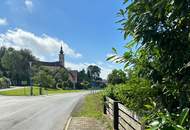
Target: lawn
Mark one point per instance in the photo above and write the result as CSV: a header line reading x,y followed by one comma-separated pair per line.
x,y
26,91
92,106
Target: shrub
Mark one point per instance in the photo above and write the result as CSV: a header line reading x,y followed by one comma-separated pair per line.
x,y
5,82
133,94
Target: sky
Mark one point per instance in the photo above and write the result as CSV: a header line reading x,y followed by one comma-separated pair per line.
x,y
86,29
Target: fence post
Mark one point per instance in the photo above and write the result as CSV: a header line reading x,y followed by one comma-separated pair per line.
x,y
104,105
115,115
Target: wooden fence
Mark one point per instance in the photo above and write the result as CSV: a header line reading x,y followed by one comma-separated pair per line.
x,y
123,119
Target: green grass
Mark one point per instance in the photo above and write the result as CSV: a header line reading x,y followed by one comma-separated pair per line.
x,y
26,91
91,107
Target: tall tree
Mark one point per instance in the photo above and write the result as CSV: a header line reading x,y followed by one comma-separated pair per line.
x,y
15,64
82,76
161,31
93,72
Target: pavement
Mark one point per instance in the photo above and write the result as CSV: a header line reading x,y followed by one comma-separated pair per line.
x,y
85,123
37,113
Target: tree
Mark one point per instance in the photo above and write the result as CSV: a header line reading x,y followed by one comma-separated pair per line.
x,y
82,76
15,64
61,77
117,77
160,50
160,30
44,78
4,82
2,52
93,72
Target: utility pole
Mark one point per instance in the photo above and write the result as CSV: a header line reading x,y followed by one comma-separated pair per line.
x,y
31,86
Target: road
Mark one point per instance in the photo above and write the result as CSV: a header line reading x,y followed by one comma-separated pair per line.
x,y
37,113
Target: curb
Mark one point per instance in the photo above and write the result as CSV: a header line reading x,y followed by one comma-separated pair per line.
x,y
68,123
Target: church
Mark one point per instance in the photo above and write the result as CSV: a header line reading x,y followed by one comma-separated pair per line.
x,y
61,63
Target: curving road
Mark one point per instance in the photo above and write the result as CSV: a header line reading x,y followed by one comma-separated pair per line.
x,y
37,113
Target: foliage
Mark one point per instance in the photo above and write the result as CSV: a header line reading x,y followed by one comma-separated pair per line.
x,y
132,94
164,120
61,75
93,72
85,84
5,82
62,79
43,78
90,78
67,85
160,53
15,64
83,76
160,30
117,77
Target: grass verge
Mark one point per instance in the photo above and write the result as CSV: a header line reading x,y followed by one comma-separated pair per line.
x,y
92,106
26,91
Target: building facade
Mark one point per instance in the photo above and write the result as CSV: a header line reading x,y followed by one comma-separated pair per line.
x,y
61,63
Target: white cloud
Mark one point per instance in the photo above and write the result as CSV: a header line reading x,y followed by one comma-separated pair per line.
x,y
43,47
3,21
105,69
29,5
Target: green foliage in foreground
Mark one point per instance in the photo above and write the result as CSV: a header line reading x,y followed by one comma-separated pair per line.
x,y
26,91
133,94
137,95
160,53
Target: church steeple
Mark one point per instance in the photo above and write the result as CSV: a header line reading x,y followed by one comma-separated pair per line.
x,y
61,50
61,57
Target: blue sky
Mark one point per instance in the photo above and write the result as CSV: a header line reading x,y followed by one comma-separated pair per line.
x,y
86,29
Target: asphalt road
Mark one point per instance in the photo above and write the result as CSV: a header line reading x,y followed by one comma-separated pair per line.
x,y
37,113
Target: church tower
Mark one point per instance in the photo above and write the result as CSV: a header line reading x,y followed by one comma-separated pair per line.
x,y
61,57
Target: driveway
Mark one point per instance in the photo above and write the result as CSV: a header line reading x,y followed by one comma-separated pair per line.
x,y
37,113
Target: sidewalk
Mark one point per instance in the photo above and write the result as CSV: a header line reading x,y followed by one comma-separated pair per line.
x,y
84,123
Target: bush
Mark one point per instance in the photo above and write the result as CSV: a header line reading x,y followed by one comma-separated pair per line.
x,y
5,82
133,94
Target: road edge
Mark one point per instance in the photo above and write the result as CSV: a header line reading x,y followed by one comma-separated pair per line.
x,y
68,123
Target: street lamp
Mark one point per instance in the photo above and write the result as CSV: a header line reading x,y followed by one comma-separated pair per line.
x,y
31,87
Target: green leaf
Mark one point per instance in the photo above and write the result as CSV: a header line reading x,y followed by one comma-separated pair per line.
x,y
114,50
148,107
125,35
154,123
130,44
111,57
183,116
122,12
178,127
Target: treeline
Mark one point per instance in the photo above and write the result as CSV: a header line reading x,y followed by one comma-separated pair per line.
x,y
15,70
14,64
90,78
